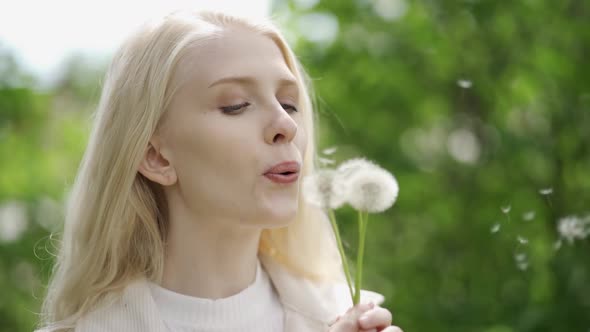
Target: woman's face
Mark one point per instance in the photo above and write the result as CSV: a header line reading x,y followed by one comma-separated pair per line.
x,y
231,121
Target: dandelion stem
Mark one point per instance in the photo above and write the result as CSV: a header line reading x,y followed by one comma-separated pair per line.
x,y
341,249
363,218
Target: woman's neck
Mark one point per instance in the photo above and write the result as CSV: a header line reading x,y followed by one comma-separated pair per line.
x,y
211,259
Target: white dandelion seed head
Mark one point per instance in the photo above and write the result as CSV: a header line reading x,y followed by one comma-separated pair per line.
x,y
321,190
349,167
371,188
572,228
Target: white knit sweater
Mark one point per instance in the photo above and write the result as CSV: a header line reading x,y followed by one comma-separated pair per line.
x,y
306,306
256,308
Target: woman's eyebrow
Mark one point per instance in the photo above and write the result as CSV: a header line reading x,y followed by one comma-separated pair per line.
x,y
249,80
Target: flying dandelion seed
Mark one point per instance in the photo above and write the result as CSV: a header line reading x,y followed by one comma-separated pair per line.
x,y
521,260
326,161
495,228
520,257
329,151
528,216
546,191
505,209
522,240
523,266
557,245
465,84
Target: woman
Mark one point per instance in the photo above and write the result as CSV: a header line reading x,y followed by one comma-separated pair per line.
x,y
186,214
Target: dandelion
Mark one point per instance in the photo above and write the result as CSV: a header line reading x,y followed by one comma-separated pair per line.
x,y
321,190
364,185
372,189
573,227
349,167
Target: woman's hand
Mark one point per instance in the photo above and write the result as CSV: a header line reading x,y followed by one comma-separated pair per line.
x,y
364,318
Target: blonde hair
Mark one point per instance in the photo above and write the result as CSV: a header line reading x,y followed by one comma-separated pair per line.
x,y
115,223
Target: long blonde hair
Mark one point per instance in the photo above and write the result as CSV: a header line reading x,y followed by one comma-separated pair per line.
x,y
115,223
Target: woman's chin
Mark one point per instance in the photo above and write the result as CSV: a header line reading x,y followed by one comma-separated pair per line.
x,y
280,217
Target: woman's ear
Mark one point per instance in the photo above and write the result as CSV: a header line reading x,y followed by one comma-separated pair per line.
x,y
155,166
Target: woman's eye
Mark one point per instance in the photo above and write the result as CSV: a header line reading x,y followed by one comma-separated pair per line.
x,y
234,108
287,106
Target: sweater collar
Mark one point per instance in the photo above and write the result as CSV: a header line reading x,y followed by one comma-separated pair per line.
x,y
309,298
242,309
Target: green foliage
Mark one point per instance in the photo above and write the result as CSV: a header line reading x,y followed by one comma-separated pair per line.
x,y
473,105
41,143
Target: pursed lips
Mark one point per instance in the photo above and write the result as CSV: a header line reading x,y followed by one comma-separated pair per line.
x,y
285,172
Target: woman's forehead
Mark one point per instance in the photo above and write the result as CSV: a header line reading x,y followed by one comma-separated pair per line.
x,y
237,56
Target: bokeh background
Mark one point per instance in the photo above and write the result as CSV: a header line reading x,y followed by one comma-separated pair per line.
x,y
480,108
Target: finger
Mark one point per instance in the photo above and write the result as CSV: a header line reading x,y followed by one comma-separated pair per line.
x,y
349,320
392,329
335,320
360,308
374,318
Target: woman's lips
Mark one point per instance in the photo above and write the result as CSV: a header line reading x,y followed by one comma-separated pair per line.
x,y
285,172
282,178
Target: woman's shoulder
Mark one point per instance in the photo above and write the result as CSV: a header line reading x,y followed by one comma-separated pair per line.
x,y
133,310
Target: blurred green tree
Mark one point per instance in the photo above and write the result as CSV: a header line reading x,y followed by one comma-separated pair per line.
x,y
476,106
42,136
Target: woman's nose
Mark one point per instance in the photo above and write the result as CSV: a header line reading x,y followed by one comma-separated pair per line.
x,y
282,128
